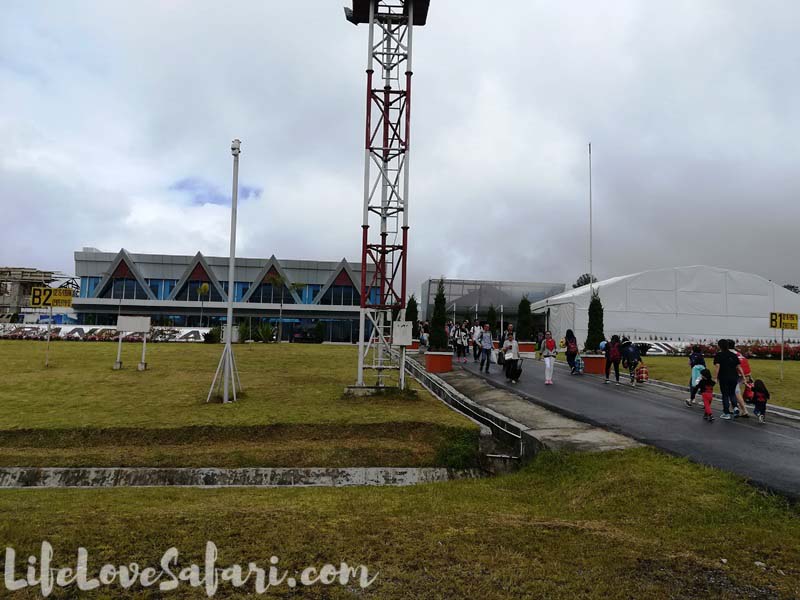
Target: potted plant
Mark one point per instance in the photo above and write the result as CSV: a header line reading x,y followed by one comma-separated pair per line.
x,y
525,326
413,316
439,358
592,362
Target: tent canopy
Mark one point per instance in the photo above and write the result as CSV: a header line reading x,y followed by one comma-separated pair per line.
x,y
680,304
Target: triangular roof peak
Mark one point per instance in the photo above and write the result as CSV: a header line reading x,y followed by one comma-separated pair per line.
x,y
337,277
123,266
272,265
195,270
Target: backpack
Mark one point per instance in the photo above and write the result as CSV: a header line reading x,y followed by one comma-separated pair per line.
x,y
613,352
744,363
572,346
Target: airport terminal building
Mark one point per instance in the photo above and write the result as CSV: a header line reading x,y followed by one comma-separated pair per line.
x,y
463,295
167,288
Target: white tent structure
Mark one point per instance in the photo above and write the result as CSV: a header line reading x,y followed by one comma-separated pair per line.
x,y
680,304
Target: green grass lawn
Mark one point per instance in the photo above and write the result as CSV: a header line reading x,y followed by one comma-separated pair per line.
x,y
632,524
80,412
675,369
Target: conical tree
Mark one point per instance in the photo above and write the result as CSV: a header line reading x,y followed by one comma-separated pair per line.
x,y
491,318
439,320
595,334
413,316
524,320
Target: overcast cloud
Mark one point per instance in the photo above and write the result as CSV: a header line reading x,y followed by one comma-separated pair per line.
x,y
116,120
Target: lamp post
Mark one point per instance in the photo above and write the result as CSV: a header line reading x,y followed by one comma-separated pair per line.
x,y
230,375
591,271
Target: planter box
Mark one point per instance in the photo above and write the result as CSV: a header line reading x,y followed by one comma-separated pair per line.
x,y
594,364
414,345
438,362
527,346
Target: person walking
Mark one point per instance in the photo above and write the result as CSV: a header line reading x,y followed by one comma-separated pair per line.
x,y
485,341
631,357
571,352
613,357
760,397
462,342
741,407
727,372
511,350
509,331
706,388
549,351
476,346
697,363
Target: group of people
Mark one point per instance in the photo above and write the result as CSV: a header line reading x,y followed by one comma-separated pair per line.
x,y
733,373
621,351
731,368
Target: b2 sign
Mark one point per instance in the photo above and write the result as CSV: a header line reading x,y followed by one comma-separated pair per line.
x,y
47,296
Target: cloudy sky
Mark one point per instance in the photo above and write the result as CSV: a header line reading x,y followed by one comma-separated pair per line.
x,y
116,120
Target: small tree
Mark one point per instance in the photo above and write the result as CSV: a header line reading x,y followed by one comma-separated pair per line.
x,y
439,320
584,279
265,332
275,280
491,317
244,331
595,334
524,320
411,315
202,292
319,331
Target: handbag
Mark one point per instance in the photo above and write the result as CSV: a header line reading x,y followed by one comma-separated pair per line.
x,y
501,358
509,356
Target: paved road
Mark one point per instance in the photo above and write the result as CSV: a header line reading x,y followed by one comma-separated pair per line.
x,y
767,454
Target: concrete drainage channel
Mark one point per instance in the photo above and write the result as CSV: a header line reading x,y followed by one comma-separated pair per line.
x,y
33,477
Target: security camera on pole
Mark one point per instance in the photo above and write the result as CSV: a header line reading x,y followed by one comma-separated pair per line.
x,y
227,363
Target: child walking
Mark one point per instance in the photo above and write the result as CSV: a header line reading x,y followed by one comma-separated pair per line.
x,y
706,388
760,397
697,375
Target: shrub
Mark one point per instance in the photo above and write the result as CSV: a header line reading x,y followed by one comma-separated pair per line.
x,y
595,334
491,318
524,320
265,332
213,336
413,316
439,321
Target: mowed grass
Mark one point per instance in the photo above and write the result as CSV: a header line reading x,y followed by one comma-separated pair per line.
x,y
675,369
632,524
80,412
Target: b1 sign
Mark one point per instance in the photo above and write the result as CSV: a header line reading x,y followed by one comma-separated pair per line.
x,y
133,324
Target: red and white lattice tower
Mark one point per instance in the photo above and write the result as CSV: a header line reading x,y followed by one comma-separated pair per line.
x,y
384,245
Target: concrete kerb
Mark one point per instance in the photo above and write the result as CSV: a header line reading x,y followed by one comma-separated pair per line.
x,y
55,477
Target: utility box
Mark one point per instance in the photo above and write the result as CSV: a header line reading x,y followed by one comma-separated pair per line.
x,y
401,333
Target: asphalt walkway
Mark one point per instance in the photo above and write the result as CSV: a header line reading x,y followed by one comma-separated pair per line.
x,y
767,454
